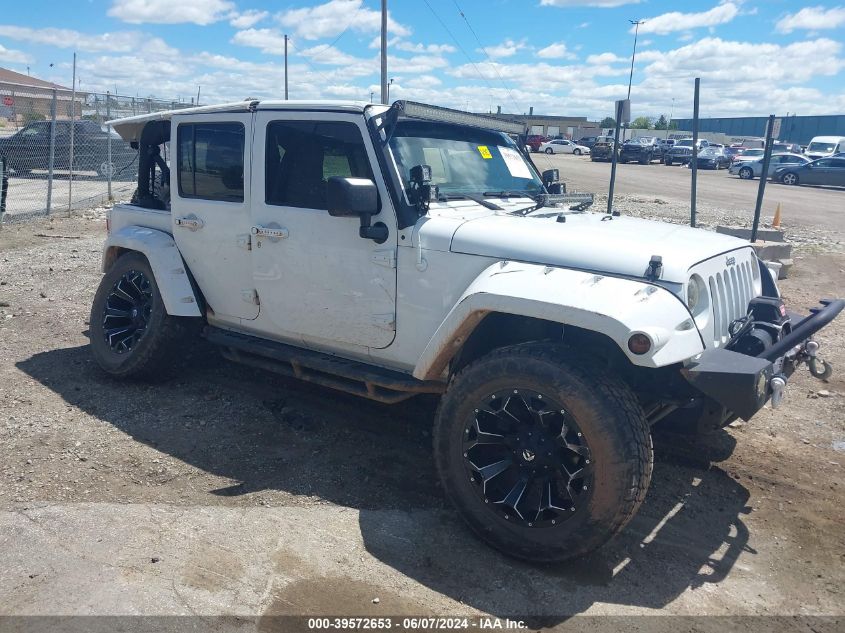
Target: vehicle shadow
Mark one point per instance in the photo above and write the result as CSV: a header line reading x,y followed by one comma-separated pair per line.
x,y
272,434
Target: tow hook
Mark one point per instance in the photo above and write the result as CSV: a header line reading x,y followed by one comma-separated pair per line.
x,y
818,367
778,385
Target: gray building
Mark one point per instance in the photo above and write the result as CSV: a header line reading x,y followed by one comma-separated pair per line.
x,y
551,125
794,129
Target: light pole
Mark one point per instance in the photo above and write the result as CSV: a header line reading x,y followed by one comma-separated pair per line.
x,y
671,114
388,90
636,24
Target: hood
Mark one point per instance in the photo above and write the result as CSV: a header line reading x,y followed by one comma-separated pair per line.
x,y
622,245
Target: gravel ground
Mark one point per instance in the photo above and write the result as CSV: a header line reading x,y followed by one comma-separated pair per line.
x,y
229,490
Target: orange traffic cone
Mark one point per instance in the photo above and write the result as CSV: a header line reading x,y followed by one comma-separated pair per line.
x,y
776,221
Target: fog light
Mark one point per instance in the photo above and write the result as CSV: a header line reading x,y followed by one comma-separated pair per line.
x,y
639,344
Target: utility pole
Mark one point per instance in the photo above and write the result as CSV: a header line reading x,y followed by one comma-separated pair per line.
x,y
636,24
671,114
390,83
384,89
72,117
286,66
199,89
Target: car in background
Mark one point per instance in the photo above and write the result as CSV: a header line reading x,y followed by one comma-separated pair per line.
x,y
825,146
665,144
681,151
603,149
642,150
750,169
563,147
587,141
733,152
533,141
750,153
786,148
825,171
712,158
29,148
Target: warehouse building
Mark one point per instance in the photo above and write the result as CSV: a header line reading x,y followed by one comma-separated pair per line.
x,y
549,125
793,129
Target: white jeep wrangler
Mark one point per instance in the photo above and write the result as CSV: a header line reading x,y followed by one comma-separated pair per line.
x,y
389,251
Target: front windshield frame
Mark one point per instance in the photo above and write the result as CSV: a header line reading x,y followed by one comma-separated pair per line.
x,y
825,147
492,142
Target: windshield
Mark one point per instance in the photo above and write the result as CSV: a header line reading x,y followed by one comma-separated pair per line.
x,y
463,160
710,151
826,148
684,143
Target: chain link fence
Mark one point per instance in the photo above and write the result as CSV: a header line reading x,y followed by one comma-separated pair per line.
x,y
59,152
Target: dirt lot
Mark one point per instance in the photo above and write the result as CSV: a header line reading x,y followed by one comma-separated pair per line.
x,y
232,491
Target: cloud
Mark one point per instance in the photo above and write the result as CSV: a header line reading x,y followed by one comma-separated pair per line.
x,y
607,58
605,4
270,41
677,21
555,51
508,48
247,19
116,42
13,57
813,19
200,12
436,49
334,17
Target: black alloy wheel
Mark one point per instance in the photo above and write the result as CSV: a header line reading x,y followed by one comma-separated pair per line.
x,y
127,310
527,458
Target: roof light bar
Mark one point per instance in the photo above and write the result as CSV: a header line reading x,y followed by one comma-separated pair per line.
x,y
416,110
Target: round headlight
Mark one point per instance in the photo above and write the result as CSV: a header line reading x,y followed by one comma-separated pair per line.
x,y
693,294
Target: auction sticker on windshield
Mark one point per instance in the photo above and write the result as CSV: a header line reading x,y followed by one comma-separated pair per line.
x,y
516,166
485,152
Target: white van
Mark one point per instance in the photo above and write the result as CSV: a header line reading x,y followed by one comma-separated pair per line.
x,y
823,146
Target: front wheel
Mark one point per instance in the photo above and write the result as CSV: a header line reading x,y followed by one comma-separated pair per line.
x,y
130,331
789,178
668,162
549,150
544,458
577,152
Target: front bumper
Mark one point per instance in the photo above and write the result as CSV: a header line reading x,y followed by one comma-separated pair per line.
x,y
743,384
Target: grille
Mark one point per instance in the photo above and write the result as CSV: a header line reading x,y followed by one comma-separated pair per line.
x,y
730,292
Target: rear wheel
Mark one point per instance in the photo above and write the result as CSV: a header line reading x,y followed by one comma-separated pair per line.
x,y
544,459
789,178
668,162
549,150
131,333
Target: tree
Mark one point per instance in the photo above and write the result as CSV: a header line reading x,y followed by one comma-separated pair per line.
x,y
661,123
641,123
607,121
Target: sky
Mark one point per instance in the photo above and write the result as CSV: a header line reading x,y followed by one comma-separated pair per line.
x,y
562,57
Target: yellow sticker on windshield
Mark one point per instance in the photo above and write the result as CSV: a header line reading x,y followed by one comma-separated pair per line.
x,y
485,153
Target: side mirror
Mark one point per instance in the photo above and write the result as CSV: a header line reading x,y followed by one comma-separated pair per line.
x,y
550,177
348,197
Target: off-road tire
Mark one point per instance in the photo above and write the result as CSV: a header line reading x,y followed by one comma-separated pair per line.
x,y
606,412
162,346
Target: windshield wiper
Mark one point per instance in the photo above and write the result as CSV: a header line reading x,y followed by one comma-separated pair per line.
x,y
468,196
508,194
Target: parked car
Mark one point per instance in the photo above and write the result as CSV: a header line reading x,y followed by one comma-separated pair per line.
x,y
29,148
712,158
824,146
587,141
603,149
681,151
750,153
642,150
665,144
750,169
533,141
732,152
825,171
390,265
563,147
786,148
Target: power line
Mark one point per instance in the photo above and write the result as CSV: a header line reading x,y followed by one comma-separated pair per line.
x,y
486,54
458,44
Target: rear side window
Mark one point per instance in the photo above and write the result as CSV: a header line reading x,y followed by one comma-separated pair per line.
x,y
211,161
